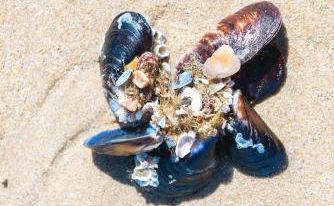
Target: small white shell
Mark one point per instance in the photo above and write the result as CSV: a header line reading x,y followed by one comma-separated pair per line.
x,y
217,87
161,51
184,144
158,37
223,63
144,173
195,96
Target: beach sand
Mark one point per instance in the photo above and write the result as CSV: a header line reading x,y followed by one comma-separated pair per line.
x,y
51,99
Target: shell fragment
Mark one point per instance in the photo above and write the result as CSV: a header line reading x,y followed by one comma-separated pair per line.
x,y
123,78
223,63
183,80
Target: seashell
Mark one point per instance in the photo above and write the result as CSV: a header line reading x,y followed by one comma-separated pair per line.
x,y
148,63
128,36
144,173
262,76
217,87
123,78
183,80
246,31
124,142
184,143
253,148
195,98
179,177
158,38
140,79
161,51
223,63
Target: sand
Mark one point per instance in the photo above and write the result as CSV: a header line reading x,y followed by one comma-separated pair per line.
x,y
51,100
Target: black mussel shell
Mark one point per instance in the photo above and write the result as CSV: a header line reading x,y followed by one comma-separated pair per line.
x,y
124,142
185,176
262,76
128,36
251,145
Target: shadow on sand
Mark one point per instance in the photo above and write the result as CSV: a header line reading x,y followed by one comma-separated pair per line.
x,y
119,168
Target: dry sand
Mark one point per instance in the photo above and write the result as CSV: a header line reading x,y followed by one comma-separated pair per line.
x,y
51,100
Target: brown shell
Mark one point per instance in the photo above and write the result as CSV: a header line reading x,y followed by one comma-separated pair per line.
x,y
246,31
148,63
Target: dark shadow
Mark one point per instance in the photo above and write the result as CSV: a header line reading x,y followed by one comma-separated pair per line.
x,y
120,169
265,74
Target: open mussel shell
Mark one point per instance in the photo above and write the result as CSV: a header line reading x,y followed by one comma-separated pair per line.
x,y
180,177
262,76
124,142
128,36
253,148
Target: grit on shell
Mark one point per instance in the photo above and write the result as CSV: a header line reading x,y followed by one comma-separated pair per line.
x,y
51,99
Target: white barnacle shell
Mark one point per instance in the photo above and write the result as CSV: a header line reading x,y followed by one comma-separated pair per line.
x,y
161,51
217,87
223,63
184,144
184,79
144,173
158,37
195,97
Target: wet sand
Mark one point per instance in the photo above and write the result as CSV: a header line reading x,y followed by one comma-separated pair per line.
x,y
51,99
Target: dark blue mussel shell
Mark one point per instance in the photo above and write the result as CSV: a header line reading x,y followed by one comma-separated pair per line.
x,y
124,142
251,145
128,36
262,76
180,177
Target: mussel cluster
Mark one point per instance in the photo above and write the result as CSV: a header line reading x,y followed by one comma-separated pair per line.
x,y
176,121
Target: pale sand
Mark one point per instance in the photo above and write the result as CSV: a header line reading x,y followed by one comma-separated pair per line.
x,y
51,100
